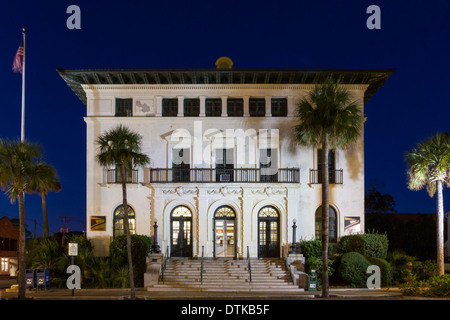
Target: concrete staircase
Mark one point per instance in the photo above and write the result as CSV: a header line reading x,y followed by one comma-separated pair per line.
x,y
225,275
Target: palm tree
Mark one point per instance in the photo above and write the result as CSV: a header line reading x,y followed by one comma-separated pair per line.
x,y
44,179
122,147
429,167
16,160
329,118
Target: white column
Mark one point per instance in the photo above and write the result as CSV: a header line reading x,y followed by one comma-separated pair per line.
x,y
290,106
224,106
202,106
268,106
246,106
180,106
158,106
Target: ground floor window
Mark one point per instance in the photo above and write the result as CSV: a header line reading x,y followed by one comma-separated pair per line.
x,y
119,218
4,265
332,224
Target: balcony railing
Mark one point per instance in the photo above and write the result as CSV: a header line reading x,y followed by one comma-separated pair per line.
x,y
335,176
206,175
113,176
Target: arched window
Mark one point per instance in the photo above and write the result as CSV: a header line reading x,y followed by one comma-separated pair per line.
x,y
332,224
118,219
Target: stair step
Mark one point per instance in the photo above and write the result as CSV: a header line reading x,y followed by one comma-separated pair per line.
x,y
225,275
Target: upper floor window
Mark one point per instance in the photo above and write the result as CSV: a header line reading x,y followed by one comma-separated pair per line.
x,y
279,107
235,107
213,107
191,107
170,107
257,107
124,107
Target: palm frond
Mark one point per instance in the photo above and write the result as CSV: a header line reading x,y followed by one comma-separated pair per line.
x,y
429,162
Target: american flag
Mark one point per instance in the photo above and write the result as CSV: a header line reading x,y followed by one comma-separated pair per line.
x,y
18,59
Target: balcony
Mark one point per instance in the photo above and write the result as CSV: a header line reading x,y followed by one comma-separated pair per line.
x,y
336,176
113,176
205,175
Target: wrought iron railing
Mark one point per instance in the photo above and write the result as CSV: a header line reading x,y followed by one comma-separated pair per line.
x,y
335,176
164,263
286,264
249,265
201,267
199,175
113,176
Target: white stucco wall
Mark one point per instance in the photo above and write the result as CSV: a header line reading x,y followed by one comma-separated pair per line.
x,y
155,201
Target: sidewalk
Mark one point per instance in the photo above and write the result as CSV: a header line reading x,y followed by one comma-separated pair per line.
x,y
142,294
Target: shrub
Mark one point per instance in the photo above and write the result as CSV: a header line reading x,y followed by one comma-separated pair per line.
x,y
352,243
410,286
311,248
140,247
439,286
352,269
385,269
368,244
314,263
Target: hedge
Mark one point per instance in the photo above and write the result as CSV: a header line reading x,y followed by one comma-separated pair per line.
x,y
373,245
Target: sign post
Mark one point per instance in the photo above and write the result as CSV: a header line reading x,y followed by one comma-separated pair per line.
x,y
72,252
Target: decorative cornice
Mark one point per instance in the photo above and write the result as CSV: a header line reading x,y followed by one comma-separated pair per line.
x,y
192,77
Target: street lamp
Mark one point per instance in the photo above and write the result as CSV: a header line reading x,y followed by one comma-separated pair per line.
x,y
294,243
155,237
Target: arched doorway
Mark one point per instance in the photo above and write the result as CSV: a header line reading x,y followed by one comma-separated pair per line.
x,y
268,232
225,232
181,232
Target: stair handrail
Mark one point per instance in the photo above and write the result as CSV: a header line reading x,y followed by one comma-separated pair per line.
x,y
249,265
201,267
164,263
288,269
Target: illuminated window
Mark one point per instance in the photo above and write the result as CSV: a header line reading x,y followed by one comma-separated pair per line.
x,y
118,220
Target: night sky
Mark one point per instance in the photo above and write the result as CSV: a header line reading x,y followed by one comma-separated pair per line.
x,y
412,105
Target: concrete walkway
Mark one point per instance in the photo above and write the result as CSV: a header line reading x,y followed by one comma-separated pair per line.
x,y
142,294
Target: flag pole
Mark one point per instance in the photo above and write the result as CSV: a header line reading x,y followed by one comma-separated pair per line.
x,y
22,129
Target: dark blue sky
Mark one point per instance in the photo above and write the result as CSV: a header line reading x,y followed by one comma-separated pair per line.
x,y
412,105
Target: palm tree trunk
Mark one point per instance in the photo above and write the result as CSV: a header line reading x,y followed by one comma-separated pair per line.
x,y
325,216
22,238
440,228
127,230
44,214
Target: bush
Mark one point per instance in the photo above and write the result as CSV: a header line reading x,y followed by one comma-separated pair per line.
x,y
313,248
439,286
140,247
385,269
352,269
368,244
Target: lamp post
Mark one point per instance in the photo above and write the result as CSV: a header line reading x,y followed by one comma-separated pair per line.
x,y
294,243
155,238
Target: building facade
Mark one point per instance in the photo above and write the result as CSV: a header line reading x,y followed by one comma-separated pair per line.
x,y
227,177
9,249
